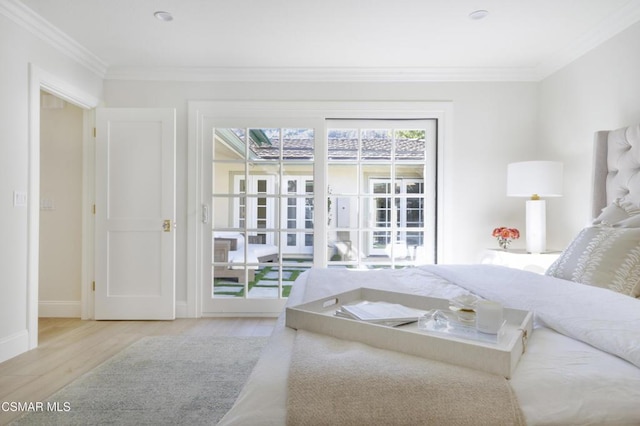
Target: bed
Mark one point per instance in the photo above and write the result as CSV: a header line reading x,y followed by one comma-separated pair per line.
x,y
581,364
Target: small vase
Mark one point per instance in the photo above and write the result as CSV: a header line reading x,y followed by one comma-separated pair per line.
x,y
504,243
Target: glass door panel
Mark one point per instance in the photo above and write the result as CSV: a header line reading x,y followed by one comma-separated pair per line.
x,y
386,172
251,187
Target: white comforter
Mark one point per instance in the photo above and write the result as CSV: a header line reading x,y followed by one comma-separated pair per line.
x,y
582,364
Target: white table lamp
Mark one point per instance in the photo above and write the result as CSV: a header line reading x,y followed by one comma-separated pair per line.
x,y
535,179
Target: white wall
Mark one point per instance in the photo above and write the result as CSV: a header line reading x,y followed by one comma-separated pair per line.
x,y
61,211
494,124
599,91
19,48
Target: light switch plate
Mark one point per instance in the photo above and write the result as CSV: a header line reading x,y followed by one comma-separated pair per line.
x,y
19,199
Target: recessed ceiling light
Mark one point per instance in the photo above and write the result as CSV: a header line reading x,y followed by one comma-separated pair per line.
x,y
163,16
478,14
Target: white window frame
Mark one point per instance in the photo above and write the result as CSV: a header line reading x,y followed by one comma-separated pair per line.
x,y
204,116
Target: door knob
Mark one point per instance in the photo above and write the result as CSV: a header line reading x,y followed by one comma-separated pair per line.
x,y
166,225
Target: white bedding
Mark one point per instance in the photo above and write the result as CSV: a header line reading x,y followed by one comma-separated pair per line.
x,y
559,380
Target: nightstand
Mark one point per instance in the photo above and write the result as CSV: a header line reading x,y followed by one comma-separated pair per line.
x,y
520,259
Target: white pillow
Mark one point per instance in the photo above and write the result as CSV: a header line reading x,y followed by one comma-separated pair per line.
x,y
630,222
603,257
618,213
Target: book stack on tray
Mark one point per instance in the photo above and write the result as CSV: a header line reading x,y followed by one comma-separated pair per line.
x,y
384,313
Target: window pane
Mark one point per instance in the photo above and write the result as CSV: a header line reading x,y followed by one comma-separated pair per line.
x,y
344,246
381,188
297,144
295,177
415,188
308,240
342,179
343,144
229,144
221,206
410,144
376,144
264,143
410,174
308,213
372,174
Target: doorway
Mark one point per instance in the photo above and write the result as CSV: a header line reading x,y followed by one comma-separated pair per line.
x,y
41,80
60,239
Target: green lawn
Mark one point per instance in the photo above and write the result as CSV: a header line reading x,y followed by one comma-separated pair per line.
x,y
266,277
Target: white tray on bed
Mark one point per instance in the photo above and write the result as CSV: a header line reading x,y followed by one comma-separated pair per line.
x,y
498,358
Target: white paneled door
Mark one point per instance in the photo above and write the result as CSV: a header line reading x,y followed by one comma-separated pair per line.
x,y
135,214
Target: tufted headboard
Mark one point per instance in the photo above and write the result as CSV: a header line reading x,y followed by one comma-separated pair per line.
x,y
616,169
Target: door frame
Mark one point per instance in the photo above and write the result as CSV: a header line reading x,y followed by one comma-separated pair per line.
x,y
39,79
201,115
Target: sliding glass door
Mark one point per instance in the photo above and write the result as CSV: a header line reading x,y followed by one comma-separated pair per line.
x,y
284,189
382,180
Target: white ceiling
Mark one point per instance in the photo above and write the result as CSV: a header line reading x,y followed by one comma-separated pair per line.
x,y
519,39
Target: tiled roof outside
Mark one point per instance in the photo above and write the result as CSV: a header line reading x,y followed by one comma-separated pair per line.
x,y
409,149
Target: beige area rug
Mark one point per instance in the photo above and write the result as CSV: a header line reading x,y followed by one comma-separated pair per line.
x,y
163,380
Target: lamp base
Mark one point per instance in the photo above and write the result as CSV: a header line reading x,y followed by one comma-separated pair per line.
x,y
536,232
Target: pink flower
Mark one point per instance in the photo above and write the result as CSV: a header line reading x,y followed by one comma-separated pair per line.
x,y
506,233
497,232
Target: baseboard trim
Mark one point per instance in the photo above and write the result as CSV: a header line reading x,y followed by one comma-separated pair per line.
x,y
14,345
72,309
59,309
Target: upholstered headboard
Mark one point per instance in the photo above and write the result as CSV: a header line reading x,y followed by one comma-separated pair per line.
x,y
616,170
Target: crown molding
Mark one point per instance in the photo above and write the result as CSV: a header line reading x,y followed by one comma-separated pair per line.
x,y
31,21
35,24
322,74
622,19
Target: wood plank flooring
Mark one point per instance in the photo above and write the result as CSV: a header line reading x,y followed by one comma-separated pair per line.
x,y
69,347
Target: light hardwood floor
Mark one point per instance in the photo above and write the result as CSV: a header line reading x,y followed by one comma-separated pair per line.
x,y
69,347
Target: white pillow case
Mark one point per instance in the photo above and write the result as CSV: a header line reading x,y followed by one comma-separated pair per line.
x,y
604,257
619,213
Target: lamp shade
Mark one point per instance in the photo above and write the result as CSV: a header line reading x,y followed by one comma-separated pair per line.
x,y
534,178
